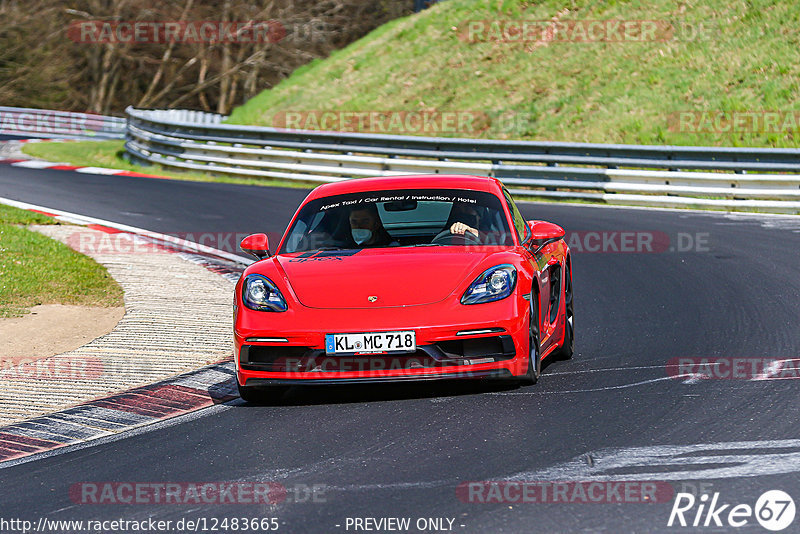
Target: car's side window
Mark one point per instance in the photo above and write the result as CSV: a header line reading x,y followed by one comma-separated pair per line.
x,y
519,221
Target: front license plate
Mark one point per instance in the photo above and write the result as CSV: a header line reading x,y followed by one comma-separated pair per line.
x,y
377,342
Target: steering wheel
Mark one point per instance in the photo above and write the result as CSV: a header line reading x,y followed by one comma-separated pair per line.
x,y
446,238
319,240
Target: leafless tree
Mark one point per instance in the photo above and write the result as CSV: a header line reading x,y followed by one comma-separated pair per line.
x,y
45,61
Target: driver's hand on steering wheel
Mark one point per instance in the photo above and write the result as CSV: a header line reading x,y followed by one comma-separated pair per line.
x,y
460,228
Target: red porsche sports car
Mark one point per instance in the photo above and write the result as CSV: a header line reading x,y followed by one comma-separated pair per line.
x,y
403,278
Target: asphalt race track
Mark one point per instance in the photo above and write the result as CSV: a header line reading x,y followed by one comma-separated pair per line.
x,y
402,451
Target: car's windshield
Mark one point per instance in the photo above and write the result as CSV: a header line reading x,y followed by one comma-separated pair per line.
x,y
399,218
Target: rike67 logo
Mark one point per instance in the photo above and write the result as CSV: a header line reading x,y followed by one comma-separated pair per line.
x,y
774,510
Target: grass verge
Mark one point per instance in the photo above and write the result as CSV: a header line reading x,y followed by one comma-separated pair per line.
x,y
731,57
35,269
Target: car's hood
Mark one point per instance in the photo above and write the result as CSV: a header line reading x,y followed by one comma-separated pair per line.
x,y
379,277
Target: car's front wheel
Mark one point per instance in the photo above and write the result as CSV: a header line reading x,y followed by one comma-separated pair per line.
x,y
534,354
567,348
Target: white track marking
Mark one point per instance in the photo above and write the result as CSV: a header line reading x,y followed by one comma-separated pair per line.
x,y
603,369
678,462
775,368
694,378
97,170
605,388
36,164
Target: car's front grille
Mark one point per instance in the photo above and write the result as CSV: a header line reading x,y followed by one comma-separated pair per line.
x,y
268,354
288,359
498,347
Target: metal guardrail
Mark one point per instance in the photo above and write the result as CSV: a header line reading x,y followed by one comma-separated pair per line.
x,y
59,124
618,174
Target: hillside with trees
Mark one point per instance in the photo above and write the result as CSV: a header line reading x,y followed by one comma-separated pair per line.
x,y
49,60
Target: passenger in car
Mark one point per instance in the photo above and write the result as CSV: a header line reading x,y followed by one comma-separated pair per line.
x,y
366,228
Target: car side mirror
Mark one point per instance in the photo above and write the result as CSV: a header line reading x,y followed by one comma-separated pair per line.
x,y
542,233
256,245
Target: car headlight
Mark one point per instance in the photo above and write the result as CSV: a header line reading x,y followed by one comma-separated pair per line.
x,y
493,284
259,293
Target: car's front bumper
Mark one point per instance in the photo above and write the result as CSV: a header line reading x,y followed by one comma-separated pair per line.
x,y
301,358
492,374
